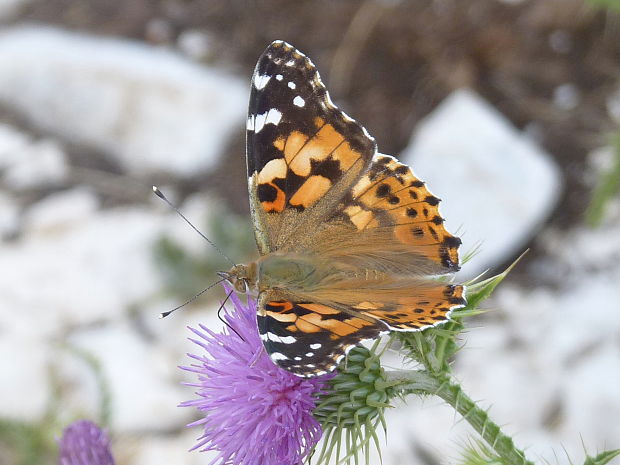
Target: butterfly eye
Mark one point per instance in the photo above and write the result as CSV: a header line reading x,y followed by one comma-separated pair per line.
x,y
241,286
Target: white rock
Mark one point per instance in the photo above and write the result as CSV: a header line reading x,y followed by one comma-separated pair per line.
x,y
76,267
194,43
197,208
167,450
29,164
585,317
591,396
519,385
12,143
173,334
566,96
59,210
78,373
43,164
559,350
89,270
25,387
582,251
497,186
150,108
142,379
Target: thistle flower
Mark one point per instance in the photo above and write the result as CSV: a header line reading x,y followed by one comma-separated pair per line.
x,y
84,443
254,412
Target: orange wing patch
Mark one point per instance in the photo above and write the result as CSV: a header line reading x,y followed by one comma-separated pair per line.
x,y
430,306
306,168
311,318
389,195
308,338
311,191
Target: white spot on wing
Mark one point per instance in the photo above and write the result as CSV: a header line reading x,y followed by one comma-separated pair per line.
x,y
272,116
261,81
309,354
298,358
250,124
281,339
292,85
279,77
290,63
299,101
259,122
315,346
277,356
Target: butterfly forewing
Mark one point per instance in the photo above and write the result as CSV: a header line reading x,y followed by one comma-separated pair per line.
x,y
390,197
301,149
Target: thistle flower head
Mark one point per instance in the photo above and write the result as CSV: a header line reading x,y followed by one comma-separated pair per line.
x,y
254,412
352,411
84,443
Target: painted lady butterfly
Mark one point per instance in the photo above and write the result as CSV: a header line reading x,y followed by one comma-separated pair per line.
x,y
349,238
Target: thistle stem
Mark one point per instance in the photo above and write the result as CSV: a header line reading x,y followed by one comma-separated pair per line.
x,y
422,382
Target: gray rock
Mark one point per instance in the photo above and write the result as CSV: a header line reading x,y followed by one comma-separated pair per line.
x,y
9,215
142,379
10,7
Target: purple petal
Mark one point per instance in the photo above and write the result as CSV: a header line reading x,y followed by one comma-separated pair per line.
x,y
84,443
254,412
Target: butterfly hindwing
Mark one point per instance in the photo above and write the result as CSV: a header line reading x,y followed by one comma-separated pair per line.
x,y
303,153
309,339
428,305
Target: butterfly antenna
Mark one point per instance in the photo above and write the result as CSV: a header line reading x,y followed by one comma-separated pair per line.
x,y
165,314
161,195
219,315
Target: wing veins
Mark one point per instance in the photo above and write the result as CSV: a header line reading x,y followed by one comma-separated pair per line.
x,y
374,183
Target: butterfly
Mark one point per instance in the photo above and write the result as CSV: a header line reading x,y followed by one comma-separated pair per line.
x,y
350,240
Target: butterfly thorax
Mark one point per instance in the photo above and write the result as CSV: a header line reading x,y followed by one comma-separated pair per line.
x,y
287,272
292,272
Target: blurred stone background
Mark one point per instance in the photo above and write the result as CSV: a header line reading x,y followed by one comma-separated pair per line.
x,y
505,108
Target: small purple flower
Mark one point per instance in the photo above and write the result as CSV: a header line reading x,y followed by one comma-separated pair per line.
x,y
84,443
255,413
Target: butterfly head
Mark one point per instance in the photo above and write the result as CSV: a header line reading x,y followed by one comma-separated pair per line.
x,y
240,277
